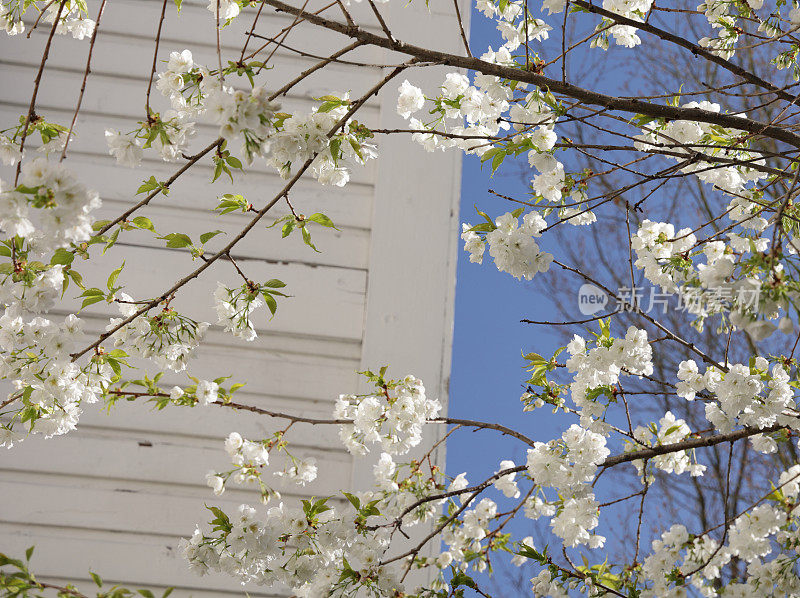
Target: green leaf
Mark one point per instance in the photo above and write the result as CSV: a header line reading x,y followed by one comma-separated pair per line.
x,y
143,223
62,257
272,304
288,228
150,184
490,154
356,148
321,219
497,160
230,203
483,227
96,579
274,283
6,560
93,292
462,579
205,237
178,4
221,522
112,240
218,170
328,106
29,553
76,277
177,240
353,500
307,239
234,162
90,300
112,279
336,149
146,593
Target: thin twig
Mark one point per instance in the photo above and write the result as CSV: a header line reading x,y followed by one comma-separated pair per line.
x,y
85,77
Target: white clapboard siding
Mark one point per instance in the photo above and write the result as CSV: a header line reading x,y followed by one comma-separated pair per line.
x,y
116,495
341,289
350,207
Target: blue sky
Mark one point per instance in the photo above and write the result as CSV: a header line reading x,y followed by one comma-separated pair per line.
x,y
487,373
487,376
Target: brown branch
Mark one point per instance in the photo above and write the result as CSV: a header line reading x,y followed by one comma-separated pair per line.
x,y
646,453
85,77
461,28
32,107
685,445
573,91
693,48
155,60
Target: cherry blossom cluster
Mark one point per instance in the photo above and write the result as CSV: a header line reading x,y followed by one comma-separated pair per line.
x,y
490,106
405,490
10,153
51,389
752,538
695,140
285,141
740,277
73,19
624,35
234,307
465,539
195,91
185,83
512,246
597,370
512,22
487,108
48,211
568,465
50,208
243,115
48,388
668,431
227,10
347,544
168,338
394,421
249,459
747,395
169,134
319,550
303,137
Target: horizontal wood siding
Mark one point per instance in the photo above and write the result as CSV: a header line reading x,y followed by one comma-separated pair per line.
x,y
116,495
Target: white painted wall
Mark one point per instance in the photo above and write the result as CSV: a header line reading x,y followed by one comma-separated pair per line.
x,y
115,496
